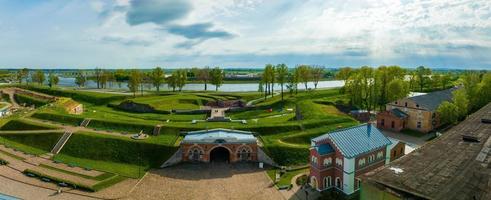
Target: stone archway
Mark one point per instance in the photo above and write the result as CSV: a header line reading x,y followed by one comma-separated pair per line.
x,y
220,154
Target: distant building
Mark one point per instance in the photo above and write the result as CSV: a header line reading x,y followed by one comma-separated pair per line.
x,y
338,158
219,144
71,106
416,113
453,166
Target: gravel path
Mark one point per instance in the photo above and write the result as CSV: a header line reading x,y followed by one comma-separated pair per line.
x,y
207,181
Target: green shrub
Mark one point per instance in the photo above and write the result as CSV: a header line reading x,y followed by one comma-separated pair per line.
x,y
3,162
17,124
64,119
28,100
61,180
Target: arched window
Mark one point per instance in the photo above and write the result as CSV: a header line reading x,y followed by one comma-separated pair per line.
x,y
339,162
361,162
244,153
358,183
327,161
195,154
313,182
327,182
380,155
338,182
314,160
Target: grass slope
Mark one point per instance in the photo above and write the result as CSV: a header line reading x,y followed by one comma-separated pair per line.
x,y
19,125
33,143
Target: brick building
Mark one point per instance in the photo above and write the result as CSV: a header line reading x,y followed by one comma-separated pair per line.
x,y
219,145
338,158
416,113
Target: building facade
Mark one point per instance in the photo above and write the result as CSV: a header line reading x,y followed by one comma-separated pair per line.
x,y
415,113
338,158
219,144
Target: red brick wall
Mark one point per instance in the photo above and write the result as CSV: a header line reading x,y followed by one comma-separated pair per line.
x,y
207,148
388,119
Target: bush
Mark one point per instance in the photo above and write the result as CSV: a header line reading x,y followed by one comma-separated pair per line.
x,y
284,155
28,100
64,119
14,125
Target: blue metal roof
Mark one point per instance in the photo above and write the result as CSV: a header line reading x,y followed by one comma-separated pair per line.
x,y
356,140
324,149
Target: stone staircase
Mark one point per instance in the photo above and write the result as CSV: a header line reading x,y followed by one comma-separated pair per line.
x,y
59,145
156,130
85,123
174,159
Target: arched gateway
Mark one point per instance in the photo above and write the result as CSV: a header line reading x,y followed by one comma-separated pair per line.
x,y
219,145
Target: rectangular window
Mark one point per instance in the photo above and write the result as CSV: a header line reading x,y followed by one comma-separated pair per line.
x,y
419,125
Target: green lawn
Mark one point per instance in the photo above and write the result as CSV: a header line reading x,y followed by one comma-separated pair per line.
x,y
33,143
286,178
20,124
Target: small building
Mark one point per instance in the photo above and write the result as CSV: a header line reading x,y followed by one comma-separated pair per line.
x,y
397,149
360,115
219,145
338,158
453,166
416,112
71,106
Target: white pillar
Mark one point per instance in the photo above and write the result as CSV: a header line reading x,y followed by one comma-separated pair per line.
x,y
349,175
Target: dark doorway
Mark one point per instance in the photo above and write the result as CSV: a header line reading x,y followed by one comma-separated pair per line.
x,y
219,154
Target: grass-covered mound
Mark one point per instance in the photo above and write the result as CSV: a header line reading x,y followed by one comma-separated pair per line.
x,y
33,143
60,118
29,100
97,98
117,154
174,102
19,125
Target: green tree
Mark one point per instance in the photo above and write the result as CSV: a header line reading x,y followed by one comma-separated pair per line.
x,y
460,100
448,113
80,79
398,89
98,76
22,74
53,80
203,75
172,81
317,75
445,80
134,81
120,76
282,75
157,77
485,90
344,73
181,78
38,77
471,85
305,73
216,77
422,75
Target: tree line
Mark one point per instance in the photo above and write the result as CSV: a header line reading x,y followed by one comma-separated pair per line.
x,y
37,76
282,75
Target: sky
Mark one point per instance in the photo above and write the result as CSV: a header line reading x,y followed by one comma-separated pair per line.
x,y
244,33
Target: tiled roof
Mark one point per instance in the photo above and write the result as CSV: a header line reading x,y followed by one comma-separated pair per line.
x,y
399,113
432,100
324,149
356,140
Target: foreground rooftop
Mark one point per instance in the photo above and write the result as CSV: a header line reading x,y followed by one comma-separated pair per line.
x,y
453,166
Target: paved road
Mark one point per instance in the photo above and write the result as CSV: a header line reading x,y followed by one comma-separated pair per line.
x,y
207,181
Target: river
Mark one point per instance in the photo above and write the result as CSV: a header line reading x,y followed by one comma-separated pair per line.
x,y
227,87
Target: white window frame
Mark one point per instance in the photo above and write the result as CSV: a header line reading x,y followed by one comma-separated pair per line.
x,y
327,182
327,161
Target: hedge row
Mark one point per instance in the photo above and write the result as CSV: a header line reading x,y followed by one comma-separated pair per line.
x,y
90,97
60,180
17,124
268,130
28,100
64,119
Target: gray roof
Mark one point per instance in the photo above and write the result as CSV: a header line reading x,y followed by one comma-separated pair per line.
x,y
356,140
219,136
446,168
432,100
399,113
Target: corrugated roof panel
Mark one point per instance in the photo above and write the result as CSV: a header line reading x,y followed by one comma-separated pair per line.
x,y
356,140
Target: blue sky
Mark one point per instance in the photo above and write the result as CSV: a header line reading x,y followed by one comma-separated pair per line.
x,y
244,33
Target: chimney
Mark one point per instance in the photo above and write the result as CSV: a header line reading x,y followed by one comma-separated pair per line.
x,y
369,129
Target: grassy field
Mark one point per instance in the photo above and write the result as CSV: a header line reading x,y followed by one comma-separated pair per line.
x,y
286,178
20,124
116,154
32,143
285,139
